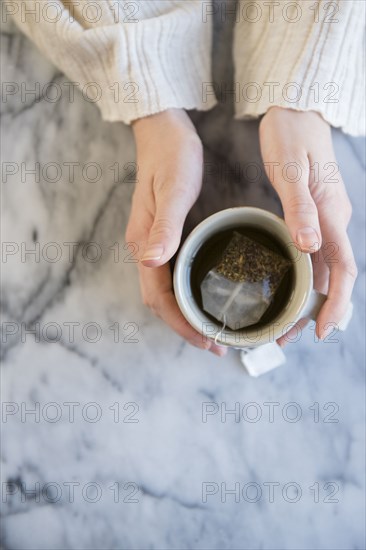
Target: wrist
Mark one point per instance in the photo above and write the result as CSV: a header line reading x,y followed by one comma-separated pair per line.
x,y
164,117
288,111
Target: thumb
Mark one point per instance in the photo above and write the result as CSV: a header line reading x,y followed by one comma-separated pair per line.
x,y
301,213
172,207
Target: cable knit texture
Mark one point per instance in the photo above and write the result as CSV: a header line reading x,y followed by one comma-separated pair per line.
x,y
145,57
151,55
306,56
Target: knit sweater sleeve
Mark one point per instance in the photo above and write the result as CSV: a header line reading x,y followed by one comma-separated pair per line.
x,y
142,57
302,55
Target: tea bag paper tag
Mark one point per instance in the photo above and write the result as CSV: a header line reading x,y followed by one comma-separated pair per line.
x,y
262,359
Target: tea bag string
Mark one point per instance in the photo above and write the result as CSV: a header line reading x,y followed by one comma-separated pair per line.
x,y
221,330
226,306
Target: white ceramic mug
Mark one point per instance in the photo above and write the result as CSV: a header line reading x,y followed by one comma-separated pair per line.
x,y
303,300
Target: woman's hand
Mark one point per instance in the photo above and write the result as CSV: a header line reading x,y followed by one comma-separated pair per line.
x,y
300,162
170,162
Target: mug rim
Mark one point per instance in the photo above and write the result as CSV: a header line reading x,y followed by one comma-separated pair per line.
x,y
246,337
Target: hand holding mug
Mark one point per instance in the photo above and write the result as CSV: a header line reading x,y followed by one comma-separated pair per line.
x,y
317,211
170,160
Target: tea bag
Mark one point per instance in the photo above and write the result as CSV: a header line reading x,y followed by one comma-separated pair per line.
x,y
241,287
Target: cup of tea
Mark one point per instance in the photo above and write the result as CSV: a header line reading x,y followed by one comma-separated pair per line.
x,y
294,298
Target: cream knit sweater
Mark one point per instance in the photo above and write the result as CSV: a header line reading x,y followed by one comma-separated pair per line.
x,y
145,56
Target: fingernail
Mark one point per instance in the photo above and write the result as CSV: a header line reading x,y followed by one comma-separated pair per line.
x,y
307,237
153,252
326,332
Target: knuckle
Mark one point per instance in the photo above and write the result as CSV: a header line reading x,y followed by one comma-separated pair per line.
x,y
349,267
160,182
163,227
300,206
331,203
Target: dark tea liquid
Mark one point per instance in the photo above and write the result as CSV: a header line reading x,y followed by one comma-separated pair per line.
x,y
209,256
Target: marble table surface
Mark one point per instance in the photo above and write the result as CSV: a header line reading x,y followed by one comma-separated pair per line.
x,y
137,440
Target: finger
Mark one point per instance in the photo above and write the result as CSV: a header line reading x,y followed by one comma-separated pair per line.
x,y
338,254
140,221
175,192
157,293
290,178
321,272
172,207
299,208
321,279
294,334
